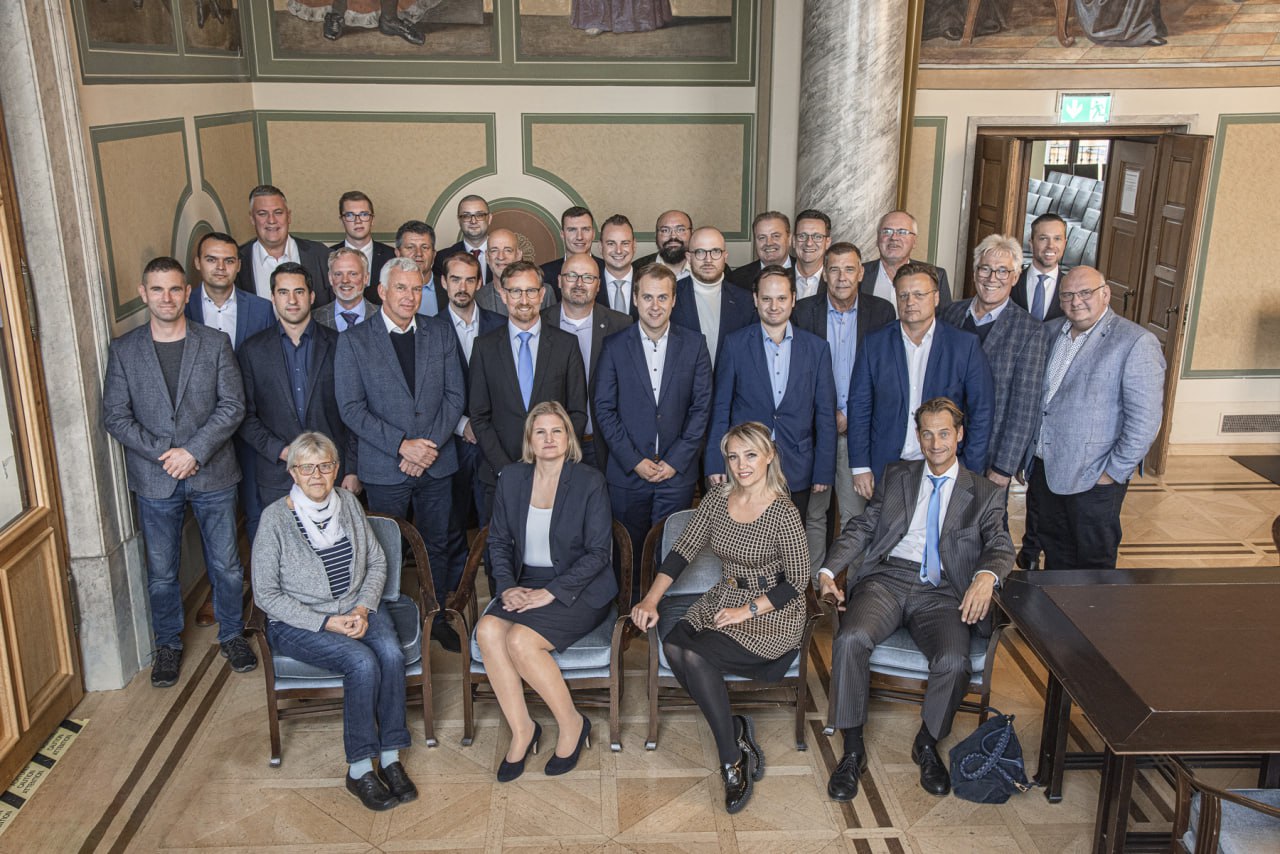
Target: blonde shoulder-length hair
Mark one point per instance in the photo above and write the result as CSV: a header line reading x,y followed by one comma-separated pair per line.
x,y
550,407
756,437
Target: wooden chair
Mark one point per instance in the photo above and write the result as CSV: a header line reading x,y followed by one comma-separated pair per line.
x,y
295,688
592,667
699,576
1208,819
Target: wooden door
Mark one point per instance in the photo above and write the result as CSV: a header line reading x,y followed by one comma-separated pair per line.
x,y
1126,215
999,197
1181,168
39,658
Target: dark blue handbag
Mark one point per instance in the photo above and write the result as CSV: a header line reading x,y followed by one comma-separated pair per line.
x,y
987,767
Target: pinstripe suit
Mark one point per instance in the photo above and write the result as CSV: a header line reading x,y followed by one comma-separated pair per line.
x,y
1015,348
881,598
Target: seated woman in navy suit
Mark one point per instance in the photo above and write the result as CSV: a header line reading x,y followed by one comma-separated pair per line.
x,y
549,543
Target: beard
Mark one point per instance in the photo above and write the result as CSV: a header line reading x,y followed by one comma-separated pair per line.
x,y
673,252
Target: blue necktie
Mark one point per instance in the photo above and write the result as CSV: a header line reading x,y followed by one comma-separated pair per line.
x,y
931,569
524,367
1037,302
349,317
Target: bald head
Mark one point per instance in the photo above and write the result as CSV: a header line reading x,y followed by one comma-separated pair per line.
x,y
1084,296
579,283
504,249
672,234
707,254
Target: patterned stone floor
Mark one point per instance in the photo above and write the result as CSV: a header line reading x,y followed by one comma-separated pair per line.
x,y
186,769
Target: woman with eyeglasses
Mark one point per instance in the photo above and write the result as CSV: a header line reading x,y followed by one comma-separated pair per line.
x,y
318,574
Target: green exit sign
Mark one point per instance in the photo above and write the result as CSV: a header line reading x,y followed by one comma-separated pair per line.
x,y
1087,109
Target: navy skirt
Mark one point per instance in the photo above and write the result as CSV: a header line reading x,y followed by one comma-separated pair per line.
x,y
562,625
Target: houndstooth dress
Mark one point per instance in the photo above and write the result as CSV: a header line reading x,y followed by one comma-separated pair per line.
x,y
769,556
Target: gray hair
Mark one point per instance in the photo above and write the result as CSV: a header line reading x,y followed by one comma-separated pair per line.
x,y
344,251
311,444
408,265
998,243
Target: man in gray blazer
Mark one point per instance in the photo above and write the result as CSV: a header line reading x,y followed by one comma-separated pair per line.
x,y
400,389
1103,403
926,554
173,398
349,278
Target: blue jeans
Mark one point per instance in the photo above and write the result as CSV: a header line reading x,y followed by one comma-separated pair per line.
x,y
162,533
372,671
431,499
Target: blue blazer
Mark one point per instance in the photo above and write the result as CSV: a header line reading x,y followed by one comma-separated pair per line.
x,y
879,394
737,309
804,424
378,406
253,313
629,419
581,533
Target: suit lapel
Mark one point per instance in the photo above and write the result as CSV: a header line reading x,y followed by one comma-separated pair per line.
x,y
900,361
562,492
675,351
421,355
190,351
546,349
507,364
242,319
958,505
902,513
599,324
147,345
1080,365
319,350
935,357
756,356
382,342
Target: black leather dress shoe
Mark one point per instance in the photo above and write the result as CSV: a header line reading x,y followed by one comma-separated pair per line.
x,y
843,785
934,778
371,792
399,784
333,25
1026,561
747,743
737,782
398,26
447,637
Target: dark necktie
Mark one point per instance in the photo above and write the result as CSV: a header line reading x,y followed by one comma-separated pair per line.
x,y
349,317
1037,302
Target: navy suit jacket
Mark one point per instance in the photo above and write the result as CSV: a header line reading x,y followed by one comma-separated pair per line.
x,y
737,309
379,407
871,271
253,313
879,395
1022,298
270,420
382,253
581,533
629,419
804,423
488,321
312,255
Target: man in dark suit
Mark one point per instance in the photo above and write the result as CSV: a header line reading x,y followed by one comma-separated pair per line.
x,y
896,239
703,303
355,212
842,317
516,366
349,280
269,212
416,241
473,221
1015,349
468,321
779,375
578,230
652,407
618,245
1037,286
926,554
581,316
908,362
810,242
672,232
400,390
173,398
771,239
288,387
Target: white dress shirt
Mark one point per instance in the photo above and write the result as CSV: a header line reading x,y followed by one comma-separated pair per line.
x,y
655,359
221,318
611,292
884,288
537,537
911,546
917,362
807,286
707,298
396,330
466,333
264,265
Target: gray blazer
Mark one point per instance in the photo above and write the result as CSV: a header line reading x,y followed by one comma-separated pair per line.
x,y
289,581
378,406
1108,409
209,406
973,535
324,315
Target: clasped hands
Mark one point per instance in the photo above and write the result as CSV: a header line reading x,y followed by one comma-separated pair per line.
x,y
521,599
178,463
353,624
654,472
974,606
417,455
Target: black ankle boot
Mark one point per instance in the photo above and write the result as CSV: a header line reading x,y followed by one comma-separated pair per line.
x,y
737,782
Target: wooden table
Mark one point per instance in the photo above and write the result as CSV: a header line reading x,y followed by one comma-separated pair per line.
x,y
1161,661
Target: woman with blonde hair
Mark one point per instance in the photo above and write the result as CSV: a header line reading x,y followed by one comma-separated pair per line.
x,y
751,622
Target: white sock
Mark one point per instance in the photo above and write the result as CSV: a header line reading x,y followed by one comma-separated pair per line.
x,y
359,769
388,756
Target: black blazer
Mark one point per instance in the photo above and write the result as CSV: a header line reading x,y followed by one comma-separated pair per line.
x,y
871,271
810,314
489,321
551,273
382,253
737,309
1022,298
497,408
270,421
745,276
312,255
443,255
603,295
581,533
605,321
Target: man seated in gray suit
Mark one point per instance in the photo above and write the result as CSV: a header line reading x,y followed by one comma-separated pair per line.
x,y
173,398
1102,406
902,571
349,277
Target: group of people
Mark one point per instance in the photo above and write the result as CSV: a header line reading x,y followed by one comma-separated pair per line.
x,y
467,387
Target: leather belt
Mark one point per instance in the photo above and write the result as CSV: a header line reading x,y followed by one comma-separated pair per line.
x,y
901,563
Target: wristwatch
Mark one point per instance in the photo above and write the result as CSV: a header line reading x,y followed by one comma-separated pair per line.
x,y
752,607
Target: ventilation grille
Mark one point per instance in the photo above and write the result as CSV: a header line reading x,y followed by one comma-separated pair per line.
x,y
1263,423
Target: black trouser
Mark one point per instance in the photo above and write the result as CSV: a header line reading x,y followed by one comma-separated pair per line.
x,y
801,501
1080,531
1030,551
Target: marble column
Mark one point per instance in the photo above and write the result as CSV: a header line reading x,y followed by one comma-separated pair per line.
x,y
850,113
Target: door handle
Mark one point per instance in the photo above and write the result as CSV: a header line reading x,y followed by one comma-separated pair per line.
x,y
1169,311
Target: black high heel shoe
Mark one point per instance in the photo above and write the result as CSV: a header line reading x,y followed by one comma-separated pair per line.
x,y
564,764
508,771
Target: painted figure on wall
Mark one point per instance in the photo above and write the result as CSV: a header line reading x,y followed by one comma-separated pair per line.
x,y
619,16
945,18
399,18
1122,23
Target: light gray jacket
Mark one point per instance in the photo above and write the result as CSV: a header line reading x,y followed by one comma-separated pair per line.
x,y
289,581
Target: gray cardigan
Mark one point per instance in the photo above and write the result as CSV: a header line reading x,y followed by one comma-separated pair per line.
x,y
289,581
